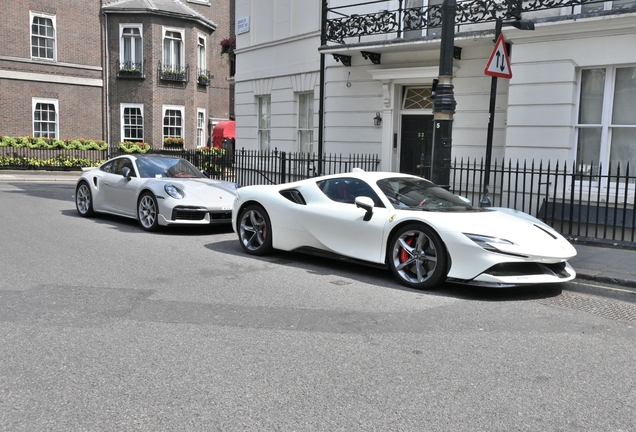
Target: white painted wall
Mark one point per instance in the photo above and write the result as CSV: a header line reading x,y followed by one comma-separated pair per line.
x,y
535,110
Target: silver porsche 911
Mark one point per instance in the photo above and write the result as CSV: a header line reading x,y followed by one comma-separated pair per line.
x,y
156,190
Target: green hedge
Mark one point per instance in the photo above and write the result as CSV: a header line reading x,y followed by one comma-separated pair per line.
x,y
58,161
52,143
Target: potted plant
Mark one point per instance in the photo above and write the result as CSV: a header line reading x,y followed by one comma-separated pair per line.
x,y
228,45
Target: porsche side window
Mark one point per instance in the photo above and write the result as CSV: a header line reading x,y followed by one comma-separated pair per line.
x,y
107,167
345,190
119,164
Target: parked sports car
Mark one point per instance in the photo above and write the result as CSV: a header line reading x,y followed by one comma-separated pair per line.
x,y
422,232
156,190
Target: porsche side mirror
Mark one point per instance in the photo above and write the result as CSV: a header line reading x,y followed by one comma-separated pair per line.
x,y
126,172
365,203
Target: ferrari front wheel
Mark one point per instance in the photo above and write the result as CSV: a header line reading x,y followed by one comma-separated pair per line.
x,y
255,230
417,257
148,212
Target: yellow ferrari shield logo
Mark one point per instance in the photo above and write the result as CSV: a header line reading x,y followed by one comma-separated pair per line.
x,y
391,218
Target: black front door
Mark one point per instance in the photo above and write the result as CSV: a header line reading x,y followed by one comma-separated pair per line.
x,y
416,151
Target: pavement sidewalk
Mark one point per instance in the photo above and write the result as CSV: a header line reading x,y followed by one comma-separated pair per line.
x,y
597,263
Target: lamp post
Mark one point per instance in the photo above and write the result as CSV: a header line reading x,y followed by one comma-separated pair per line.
x,y
444,103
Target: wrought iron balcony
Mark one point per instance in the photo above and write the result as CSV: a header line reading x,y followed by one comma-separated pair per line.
x,y
371,18
204,77
171,72
130,70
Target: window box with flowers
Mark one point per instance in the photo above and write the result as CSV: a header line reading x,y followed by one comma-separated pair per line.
x,y
203,77
173,143
134,147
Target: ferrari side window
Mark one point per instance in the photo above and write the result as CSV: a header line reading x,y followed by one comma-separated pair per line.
x,y
345,190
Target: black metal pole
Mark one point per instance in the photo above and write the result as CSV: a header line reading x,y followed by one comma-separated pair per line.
x,y
321,102
444,103
485,198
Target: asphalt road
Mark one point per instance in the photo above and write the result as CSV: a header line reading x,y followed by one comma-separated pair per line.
x,y
106,327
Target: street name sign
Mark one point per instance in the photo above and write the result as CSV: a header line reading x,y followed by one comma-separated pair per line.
x,y
499,63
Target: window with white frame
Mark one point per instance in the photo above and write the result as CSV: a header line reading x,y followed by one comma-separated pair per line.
x,y
43,36
201,53
306,122
606,129
132,122
201,138
131,47
172,122
173,49
264,122
45,118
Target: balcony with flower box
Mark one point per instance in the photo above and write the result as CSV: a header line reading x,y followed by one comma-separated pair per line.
x,y
171,72
203,77
130,70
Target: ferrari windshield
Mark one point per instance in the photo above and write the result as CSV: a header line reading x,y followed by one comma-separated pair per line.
x,y
410,193
157,167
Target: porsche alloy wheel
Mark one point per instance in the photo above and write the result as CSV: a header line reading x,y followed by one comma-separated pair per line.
x,y
148,212
418,257
84,200
255,230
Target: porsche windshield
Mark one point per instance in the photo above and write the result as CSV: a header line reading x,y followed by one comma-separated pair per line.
x,y
411,193
157,167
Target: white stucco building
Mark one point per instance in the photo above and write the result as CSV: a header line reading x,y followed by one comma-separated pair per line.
x,y
570,97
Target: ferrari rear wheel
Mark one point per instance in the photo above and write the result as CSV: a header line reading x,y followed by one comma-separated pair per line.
x,y
84,199
417,257
255,231
148,212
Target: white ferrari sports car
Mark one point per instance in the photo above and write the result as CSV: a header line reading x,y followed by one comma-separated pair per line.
x,y
156,190
422,232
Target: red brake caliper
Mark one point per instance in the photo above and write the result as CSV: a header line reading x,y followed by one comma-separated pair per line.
x,y
404,255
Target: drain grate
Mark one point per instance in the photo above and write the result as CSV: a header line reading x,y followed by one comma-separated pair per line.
x,y
611,309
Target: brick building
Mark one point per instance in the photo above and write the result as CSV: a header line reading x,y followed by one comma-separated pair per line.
x,y
135,70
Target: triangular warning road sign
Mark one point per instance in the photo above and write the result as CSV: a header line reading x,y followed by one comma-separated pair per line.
x,y
499,62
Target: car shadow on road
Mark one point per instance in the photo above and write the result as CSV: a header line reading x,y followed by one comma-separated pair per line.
x,y
129,225
343,272
56,191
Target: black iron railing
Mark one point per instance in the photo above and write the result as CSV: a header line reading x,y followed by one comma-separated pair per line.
x,y
351,22
584,205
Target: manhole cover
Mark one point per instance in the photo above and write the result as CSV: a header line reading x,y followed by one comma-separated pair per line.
x,y
611,309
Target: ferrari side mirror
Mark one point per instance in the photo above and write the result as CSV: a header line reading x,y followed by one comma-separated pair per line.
x,y
365,203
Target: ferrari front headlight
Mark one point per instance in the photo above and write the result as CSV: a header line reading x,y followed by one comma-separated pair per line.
x,y
174,191
489,243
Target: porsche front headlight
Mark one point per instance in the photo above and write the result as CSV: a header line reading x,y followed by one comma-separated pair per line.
x,y
174,191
